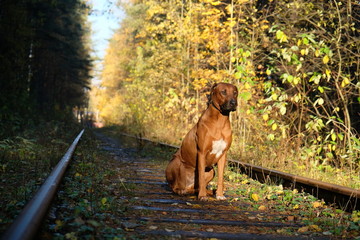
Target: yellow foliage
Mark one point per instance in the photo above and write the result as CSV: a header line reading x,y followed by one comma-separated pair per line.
x,y
326,59
317,204
186,46
255,197
262,208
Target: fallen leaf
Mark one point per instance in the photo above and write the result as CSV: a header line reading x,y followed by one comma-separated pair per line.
x,y
316,204
280,192
94,223
59,224
262,208
153,227
303,229
315,228
196,206
326,59
327,233
255,197
291,218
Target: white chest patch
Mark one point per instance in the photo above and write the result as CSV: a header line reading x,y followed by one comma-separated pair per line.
x,y
218,147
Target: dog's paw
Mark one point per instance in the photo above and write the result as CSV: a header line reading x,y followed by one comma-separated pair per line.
x,y
220,198
203,198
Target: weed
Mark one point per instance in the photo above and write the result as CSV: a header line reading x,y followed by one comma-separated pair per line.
x,y
299,206
25,161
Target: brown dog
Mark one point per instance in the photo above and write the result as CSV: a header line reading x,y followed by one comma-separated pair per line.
x,y
191,168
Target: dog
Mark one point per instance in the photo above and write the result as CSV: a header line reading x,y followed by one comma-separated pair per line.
x,y
206,144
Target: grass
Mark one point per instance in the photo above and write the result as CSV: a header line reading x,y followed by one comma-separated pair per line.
x,y
250,144
25,162
297,206
286,160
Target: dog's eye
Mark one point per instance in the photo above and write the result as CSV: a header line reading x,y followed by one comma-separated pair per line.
x,y
223,92
235,93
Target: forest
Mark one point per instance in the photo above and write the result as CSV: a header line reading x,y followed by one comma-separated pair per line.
x,y
45,62
296,64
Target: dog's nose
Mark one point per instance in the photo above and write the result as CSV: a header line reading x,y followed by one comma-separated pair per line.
x,y
233,102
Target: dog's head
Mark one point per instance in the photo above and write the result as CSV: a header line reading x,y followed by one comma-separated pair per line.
x,y
223,96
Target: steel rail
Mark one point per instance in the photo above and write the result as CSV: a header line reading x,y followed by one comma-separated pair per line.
x,y
345,198
28,222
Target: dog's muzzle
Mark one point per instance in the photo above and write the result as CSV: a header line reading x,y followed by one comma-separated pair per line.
x,y
229,106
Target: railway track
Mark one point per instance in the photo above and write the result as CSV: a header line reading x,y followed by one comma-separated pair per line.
x,y
154,211
151,211
344,197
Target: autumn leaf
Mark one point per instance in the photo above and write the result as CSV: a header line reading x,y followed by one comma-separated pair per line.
x,y
282,109
316,204
333,137
274,96
280,192
291,218
326,59
58,224
262,208
255,197
315,228
304,51
296,80
303,229
281,36
215,3
271,137
328,72
345,82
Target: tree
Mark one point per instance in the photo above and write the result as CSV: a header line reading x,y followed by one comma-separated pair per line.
x,y
45,60
295,63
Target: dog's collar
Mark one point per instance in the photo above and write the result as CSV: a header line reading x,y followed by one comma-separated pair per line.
x,y
212,103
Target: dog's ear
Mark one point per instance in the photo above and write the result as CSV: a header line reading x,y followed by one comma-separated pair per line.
x,y
213,87
208,97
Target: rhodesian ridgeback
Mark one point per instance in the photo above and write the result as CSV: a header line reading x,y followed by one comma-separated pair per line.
x,y
191,168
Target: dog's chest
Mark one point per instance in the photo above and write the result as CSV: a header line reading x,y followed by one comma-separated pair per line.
x,y
218,147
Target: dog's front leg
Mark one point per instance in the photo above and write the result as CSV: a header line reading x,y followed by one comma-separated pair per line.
x,y
220,185
201,176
